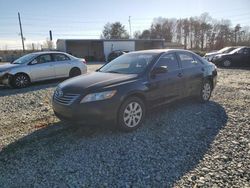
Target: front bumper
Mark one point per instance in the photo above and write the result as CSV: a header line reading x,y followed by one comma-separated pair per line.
x,y
91,112
216,61
5,79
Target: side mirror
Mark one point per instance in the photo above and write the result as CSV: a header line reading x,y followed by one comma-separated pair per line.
x,y
33,62
159,70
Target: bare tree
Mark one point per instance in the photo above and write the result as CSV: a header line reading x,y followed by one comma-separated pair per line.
x,y
48,44
114,31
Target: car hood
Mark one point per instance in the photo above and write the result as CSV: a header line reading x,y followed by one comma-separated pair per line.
x,y
7,66
94,81
225,55
212,54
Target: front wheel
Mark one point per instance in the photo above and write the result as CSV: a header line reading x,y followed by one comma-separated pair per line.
x,y
131,114
20,81
226,63
206,91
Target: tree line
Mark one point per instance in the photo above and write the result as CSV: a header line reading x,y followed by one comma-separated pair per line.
x,y
201,32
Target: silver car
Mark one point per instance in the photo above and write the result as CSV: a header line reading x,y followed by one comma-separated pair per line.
x,y
40,66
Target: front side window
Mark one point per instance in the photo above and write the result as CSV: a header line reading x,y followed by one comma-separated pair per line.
x,y
43,59
186,59
170,61
131,63
60,57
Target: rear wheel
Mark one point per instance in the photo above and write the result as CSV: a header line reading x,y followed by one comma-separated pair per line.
x,y
131,114
206,91
20,81
74,72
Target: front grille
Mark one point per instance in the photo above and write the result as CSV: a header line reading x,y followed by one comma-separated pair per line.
x,y
66,99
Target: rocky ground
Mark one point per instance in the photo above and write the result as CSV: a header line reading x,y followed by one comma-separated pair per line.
x,y
185,144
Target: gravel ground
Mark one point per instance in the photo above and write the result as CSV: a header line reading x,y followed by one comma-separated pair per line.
x,y
185,144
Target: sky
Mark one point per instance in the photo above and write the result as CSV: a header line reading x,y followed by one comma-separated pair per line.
x,y
84,19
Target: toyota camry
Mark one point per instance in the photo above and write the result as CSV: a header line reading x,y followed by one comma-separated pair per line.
x,y
124,89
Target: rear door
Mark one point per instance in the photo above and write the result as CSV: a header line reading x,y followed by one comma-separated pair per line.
x,y
62,64
193,71
41,68
165,87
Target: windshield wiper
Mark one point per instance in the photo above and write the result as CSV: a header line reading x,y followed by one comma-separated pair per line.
x,y
112,72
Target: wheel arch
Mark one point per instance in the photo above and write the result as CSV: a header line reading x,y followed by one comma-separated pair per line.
x,y
75,68
24,73
210,79
136,94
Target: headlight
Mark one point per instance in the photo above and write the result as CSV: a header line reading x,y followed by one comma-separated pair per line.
x,y
4,72
98,96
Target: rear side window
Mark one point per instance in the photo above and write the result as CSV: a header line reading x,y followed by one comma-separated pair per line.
x,y
170,61
186,59
44,58
60,57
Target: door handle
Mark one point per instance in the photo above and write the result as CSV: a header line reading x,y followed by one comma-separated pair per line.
x,y
179,75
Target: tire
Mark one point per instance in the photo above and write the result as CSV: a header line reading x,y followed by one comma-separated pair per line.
x,y
74,72
131,114
20,81
226,63
206,91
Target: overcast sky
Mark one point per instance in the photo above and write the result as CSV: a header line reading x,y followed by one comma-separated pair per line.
x,y
85,19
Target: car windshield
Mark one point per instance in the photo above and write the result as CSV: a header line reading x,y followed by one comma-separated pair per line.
x,y
226,50
236,50
131,63
24,59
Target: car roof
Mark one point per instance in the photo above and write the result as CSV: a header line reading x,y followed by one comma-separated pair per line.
x,y
159,51
46,52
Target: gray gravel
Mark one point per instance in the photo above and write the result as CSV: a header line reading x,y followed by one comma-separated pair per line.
x,y
185,144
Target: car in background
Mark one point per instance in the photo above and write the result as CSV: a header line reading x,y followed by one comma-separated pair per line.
x,y
237,57
121,91
209,56
115,54
40,66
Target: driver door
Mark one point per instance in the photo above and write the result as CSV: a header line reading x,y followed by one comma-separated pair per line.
x,y
166,87
42,68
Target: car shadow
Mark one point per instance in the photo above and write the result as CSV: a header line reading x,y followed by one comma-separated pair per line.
x,y
7,91
171,142
234,67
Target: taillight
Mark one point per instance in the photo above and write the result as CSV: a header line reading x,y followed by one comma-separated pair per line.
x,y
84,61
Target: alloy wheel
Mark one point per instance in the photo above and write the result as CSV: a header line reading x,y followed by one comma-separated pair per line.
x,y
206,91
21,81
227,63
132,114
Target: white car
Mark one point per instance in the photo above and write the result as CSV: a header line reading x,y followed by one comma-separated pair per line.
x,y
40,66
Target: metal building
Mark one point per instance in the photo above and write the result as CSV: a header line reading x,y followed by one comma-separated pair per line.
x,y
98,49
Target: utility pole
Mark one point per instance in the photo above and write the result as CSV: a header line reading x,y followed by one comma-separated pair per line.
x,y
129,21
235,37
50,35
21,30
